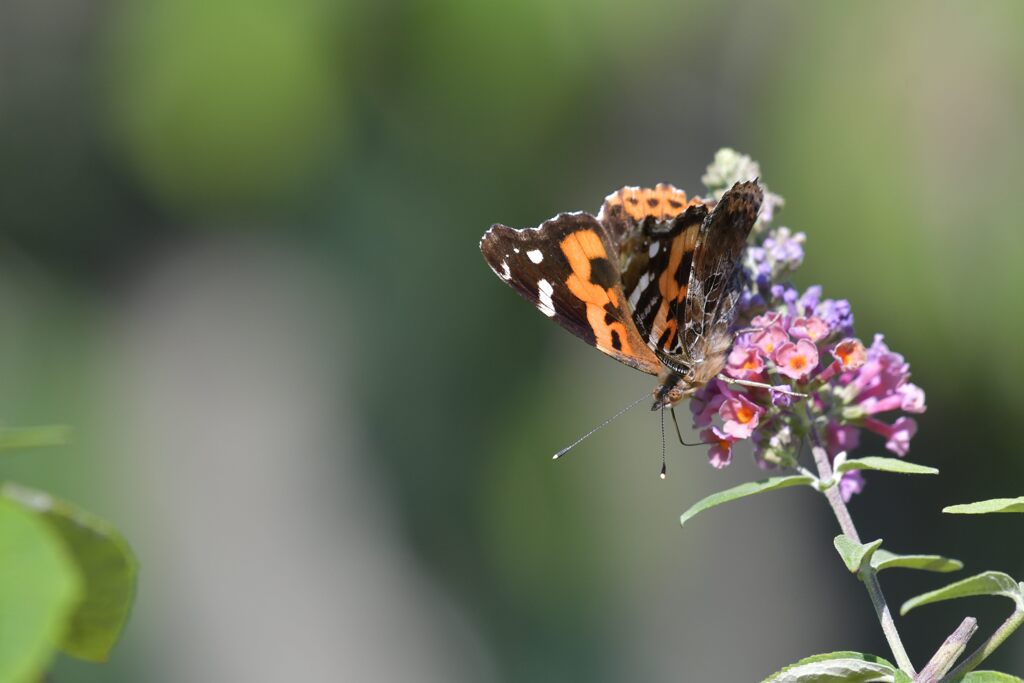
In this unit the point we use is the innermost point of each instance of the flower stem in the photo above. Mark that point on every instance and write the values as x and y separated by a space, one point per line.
944 658
1002 633
867 574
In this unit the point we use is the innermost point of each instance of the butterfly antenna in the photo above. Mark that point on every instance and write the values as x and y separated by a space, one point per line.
664 467
675 421
604 424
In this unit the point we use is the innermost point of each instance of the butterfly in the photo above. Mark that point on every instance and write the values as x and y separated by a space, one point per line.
654 280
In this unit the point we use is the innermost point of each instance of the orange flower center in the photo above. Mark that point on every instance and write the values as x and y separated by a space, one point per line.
798 362
745 414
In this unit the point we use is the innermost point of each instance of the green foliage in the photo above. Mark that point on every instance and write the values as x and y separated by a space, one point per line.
990 677
742 491
880 464
837 667
855 554
39 589
985 507
33 437
986 583
104 562
883 559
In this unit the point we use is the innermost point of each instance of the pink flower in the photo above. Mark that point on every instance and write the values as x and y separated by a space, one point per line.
913 398
897 435
741 416
765 320
851 483
872 405
745 362
850 353
720 453
796 360
811 328
769 339
839 438
704 408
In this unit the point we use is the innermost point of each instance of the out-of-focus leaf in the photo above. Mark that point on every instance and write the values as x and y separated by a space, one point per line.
105 563
33 437
986 507
990 677
742 491
880 464
837 667
986 583
39 588
883 559
854 553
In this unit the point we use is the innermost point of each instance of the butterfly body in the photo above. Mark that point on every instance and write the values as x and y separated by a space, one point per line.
653 280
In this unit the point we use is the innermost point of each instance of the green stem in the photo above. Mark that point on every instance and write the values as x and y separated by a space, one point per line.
988 647
867 574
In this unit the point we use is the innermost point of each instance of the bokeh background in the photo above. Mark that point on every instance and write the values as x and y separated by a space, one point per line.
238 253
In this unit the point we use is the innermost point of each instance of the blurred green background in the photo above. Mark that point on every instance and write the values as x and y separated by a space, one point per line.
238 253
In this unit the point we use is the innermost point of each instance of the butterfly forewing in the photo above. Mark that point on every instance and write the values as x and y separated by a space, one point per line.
568 268
714 286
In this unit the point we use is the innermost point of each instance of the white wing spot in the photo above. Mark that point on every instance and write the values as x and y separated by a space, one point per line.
544 292
652 251
641 286
507 275
535 255
515 249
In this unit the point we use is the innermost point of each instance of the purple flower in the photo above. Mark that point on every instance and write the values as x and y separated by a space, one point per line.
720 454
851 483
806 342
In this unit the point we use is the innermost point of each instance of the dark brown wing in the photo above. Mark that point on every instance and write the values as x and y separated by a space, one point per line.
567 268
714 287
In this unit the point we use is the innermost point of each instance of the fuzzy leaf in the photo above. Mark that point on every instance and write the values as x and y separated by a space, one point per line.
39 588
837 667
854 553
986 583
880 464
883 559
742 491
105 562
990 677
985 507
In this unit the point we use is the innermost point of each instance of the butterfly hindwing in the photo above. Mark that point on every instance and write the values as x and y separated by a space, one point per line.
659 228
568 268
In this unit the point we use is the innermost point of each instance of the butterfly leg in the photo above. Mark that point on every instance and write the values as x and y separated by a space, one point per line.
761 385
675 421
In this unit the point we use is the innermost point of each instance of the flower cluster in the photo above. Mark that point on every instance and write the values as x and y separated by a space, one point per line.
807 344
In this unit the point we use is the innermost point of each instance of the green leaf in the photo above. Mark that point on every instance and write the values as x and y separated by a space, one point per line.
880 464
854 553
39 588
986 583
990 677
985 507
742 491
837 667
33 437
105 562
883 559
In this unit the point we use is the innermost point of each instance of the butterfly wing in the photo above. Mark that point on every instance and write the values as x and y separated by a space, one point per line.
567 267
658 229
714 286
